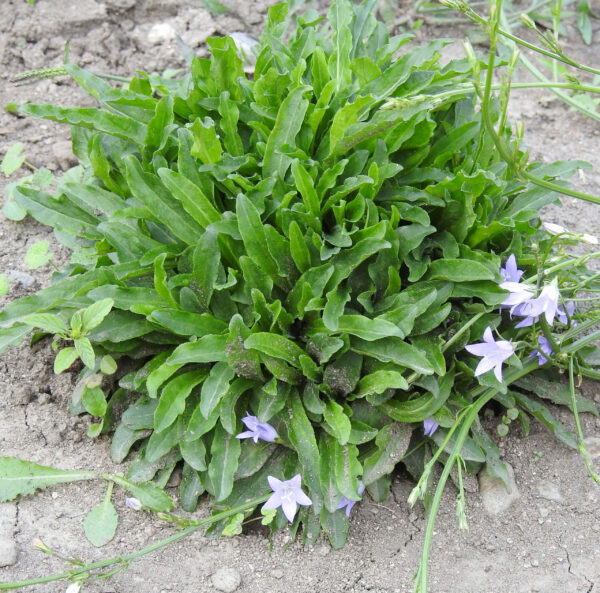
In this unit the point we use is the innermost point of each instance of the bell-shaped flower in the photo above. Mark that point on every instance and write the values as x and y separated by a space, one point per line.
287 495
493 354
543 352
546 304
345 502
429 426
563 314
511 273
257 430
519 294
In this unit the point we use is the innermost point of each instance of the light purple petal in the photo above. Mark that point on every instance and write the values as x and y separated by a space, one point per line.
251 422
302 499
266 432
275 484
245 435
429 426
343 502
349 506
487 335
485 365
289 506
481 349
295 482
498 372
273 502
527 322
361 487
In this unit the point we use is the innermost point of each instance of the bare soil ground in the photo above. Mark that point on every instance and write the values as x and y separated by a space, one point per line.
547 541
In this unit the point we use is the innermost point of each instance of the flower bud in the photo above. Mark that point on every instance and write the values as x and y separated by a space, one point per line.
528 21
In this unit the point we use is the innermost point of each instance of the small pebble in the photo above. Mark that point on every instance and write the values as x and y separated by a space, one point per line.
496 498
226 579
161 33
277 573
8 551
549 490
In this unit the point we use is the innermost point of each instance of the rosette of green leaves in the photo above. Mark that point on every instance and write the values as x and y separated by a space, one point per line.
298 245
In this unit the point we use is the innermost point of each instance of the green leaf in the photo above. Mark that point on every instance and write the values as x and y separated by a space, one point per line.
37 255
206 267
147 493
194 453
86 352
18 477
64 359
47 322
215 7
459 270
13 211
149 191
234 525
287 125
392 443
108 366
337 421
225 452
100 524
394 350
276 346
302 437
190 488
208 348
94 119
215 387
13 159
93 315
173 398
367 329
543 414
379 381
207 146
94 401
253 235
192 198
347 470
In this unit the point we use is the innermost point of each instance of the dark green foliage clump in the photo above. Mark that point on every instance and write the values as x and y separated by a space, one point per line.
299 245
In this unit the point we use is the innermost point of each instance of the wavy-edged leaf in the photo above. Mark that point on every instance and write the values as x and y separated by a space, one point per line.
173 397
19 477
94 119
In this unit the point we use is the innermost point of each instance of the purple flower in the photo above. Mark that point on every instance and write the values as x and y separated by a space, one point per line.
519 294
133 503
345 502
564 313
287 495
510 273
493 353
429 426
546 304
544 351
257 430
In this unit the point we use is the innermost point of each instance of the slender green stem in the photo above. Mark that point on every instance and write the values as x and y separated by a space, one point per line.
461 331
471 414
81 571
581 443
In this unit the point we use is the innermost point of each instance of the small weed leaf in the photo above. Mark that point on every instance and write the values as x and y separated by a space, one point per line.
37 255
100 524
19 477
13 159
